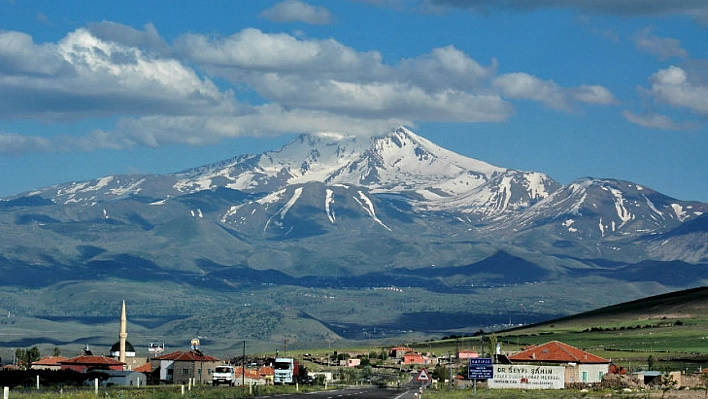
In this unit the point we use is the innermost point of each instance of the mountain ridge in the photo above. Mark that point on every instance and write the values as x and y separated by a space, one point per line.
336 217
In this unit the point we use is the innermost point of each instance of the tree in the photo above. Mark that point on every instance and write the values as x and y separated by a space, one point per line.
383 355
650 362
704 381
56 352
440 372
493 345
25 357
667 383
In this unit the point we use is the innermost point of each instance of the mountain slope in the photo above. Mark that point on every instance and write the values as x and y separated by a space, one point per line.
345 214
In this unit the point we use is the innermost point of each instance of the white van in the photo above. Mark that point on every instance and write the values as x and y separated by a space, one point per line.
223 374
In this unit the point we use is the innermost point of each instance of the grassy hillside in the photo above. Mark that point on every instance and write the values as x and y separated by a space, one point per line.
672 328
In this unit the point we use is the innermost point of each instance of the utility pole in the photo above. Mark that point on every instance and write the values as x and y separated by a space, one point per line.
449 367
243 367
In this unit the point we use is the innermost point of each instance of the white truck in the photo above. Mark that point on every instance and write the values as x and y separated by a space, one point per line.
287 371
223 374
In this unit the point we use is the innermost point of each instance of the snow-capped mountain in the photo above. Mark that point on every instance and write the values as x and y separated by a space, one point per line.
323 183
333 212
597 208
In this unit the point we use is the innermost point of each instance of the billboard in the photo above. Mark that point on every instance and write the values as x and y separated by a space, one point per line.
480 368
527 377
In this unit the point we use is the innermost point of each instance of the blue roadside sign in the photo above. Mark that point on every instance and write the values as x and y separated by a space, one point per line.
480 368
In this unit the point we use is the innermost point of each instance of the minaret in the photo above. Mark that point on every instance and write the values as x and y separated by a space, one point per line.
123 336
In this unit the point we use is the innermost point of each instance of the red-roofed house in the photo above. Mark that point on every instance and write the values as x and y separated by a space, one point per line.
145 368
254 376
467 354
414 358
398 352
580 366
86 363
179 367
48 363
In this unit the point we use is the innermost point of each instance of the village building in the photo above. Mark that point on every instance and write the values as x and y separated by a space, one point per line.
351 362
180 367
580 366
48 363
414 358
123 350
398 352
125 378
85 363
467 354
261 376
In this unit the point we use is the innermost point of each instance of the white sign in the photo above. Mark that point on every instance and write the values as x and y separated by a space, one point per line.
527 377
423 376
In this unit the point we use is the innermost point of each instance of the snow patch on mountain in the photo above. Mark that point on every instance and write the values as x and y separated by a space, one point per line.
622 211
679 211
291 202
329 200
369 208
650 204
133 188
284 210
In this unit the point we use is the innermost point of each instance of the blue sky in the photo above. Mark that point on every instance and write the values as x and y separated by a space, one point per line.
571 88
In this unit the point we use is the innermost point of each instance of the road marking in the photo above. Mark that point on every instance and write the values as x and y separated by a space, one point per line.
401 395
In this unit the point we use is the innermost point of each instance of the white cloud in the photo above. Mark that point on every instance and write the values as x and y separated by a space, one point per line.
447 67
156 96
83 76
445 85
298 11
673 86
520 85
663 48
593 95
12 144
655 121
254 51
129 36
678 89
264 120
20 56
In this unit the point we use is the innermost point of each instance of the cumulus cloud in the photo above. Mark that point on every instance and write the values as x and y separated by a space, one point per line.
252 49
676 88
159 94
663 48
12 144
298 11
521 85
655 121
673 86
83 76
447 67
326 75
20 56
128 36
593 94
197 130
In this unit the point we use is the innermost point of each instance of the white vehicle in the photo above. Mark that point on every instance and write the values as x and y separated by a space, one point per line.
223 374
286 371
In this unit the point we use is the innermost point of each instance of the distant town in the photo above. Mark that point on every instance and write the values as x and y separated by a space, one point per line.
552 365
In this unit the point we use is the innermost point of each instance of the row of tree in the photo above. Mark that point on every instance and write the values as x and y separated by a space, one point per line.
25 357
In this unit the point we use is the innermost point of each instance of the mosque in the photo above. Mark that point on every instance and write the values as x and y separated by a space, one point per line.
124 351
